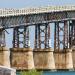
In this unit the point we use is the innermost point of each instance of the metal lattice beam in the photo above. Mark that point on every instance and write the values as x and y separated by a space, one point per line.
66 35
72 33
2 37
42 36
33 19
21 37
61 40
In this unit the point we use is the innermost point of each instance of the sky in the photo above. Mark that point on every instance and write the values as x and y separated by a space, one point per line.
33 3
30 3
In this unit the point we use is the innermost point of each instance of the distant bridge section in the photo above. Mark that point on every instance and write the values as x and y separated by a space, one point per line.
31 16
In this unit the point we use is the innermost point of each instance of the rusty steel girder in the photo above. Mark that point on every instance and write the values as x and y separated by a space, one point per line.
72 33
21 37
42 36
61 40
2 37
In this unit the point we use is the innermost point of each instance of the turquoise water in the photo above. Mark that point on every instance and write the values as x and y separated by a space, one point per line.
57 73
60 73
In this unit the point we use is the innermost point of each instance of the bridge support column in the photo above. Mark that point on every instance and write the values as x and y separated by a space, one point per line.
21 37
72 39
43 53
21 53
63 56
69 61
61 40
2 37
63 60
4 57
4 52
22 58
44 59
73 57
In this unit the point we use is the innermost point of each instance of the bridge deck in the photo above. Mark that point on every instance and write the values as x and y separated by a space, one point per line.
26 11
10 18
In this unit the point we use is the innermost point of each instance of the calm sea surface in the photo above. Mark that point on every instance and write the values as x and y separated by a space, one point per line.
57 73
60 73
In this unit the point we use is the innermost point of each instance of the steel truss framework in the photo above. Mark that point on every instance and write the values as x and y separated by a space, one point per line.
41 20
2 37
72 33
33 19
21 37
61 40
42 36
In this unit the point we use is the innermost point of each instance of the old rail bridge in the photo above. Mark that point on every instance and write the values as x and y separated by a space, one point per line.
42 56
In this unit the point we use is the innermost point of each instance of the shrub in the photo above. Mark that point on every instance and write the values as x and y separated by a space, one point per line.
31 72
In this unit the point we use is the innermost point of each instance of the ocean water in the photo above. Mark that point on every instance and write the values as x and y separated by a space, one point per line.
57 73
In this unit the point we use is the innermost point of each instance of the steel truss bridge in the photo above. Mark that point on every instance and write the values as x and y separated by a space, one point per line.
40 17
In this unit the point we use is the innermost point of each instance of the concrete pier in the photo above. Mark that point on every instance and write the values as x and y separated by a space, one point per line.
22 58
69 60
63 60
4 56
73 57
44 59
58 60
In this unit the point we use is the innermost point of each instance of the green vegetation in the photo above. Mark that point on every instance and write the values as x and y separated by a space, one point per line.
31 72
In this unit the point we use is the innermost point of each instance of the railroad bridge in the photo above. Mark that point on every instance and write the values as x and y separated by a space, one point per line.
42 56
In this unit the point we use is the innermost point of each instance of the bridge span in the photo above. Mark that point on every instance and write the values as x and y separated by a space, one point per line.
63 18
31 16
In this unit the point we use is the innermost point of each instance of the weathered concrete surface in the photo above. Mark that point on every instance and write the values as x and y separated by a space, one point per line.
73 57
63 59
59 64
69 60
4 56
22 58
44 59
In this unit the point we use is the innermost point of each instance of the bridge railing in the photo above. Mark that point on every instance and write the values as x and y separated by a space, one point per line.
25 11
